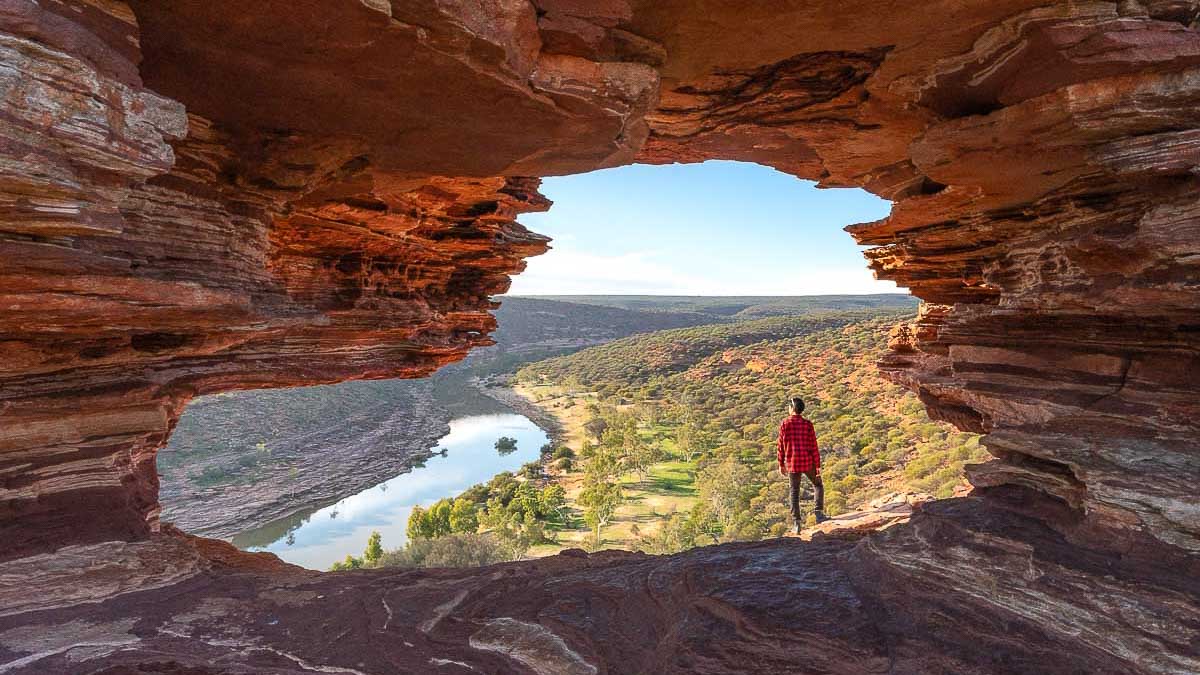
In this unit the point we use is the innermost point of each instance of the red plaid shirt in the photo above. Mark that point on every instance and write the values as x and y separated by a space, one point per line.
798 451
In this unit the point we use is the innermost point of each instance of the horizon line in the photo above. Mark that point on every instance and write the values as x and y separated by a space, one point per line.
695 295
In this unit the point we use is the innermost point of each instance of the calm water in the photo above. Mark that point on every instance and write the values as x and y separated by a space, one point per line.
318 538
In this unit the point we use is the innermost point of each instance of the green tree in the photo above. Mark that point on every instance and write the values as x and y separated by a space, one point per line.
503 485
727 487
596 427
599 499
374 549
510 530
552 499
464 516
603 464
439 518
640 456
682 531
525 500
531 470
419 524
506 445
692 441
350 563
675 534
455 550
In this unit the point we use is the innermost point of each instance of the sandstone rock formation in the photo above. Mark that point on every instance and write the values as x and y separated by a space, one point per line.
876 515
198 196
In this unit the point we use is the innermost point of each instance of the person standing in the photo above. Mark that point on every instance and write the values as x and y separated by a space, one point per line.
799 456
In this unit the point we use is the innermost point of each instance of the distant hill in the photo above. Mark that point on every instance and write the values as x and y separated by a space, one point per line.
527 324
625 365
531 329
742 307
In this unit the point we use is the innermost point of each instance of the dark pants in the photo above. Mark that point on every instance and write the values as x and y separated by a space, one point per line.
818 487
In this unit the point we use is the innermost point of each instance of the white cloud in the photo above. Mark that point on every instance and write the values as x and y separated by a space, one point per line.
563 271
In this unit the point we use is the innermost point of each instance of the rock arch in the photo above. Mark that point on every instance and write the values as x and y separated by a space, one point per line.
199 196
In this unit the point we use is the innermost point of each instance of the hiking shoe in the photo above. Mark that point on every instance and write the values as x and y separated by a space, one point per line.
821 517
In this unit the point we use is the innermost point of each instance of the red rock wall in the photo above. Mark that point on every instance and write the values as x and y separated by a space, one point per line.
197 199
151 255
198 196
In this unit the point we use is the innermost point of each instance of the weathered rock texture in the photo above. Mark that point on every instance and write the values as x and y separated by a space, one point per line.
887 604
198 196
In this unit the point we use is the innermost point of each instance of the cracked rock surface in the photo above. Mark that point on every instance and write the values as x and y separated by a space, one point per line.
968 586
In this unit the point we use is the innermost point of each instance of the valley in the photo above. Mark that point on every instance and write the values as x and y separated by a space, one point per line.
685 420
241 461
665 441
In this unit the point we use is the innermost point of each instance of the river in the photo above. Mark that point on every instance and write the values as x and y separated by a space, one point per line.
318 538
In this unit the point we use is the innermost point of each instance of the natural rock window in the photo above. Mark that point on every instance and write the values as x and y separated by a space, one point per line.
198 198
312 473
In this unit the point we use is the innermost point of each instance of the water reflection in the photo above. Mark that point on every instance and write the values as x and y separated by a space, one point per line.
316 538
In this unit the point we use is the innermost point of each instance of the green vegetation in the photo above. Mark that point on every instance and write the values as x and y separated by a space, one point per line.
459 549
370 557
672 442
742 307
506 445
602 494
693 413
635 368
374 550
454 550
514 514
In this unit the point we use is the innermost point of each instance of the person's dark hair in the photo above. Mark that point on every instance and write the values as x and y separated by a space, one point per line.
797 404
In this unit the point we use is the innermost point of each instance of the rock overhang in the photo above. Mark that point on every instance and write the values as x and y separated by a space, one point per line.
201 197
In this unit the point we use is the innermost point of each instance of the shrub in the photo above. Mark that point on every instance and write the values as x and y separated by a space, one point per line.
874 466
452 550
350 563
531 470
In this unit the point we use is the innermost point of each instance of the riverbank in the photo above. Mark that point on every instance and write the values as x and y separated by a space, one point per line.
218 483
469 457
247 464
520 400
669 486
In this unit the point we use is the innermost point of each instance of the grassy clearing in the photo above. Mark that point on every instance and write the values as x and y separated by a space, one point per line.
669 486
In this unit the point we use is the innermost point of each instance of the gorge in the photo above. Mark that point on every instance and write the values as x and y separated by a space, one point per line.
203 196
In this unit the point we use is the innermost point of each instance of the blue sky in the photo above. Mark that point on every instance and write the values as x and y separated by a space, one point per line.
717 228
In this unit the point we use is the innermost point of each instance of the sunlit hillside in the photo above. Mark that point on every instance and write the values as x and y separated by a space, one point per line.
708 401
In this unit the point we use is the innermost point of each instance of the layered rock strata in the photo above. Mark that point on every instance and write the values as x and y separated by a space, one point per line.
197 197
833 605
